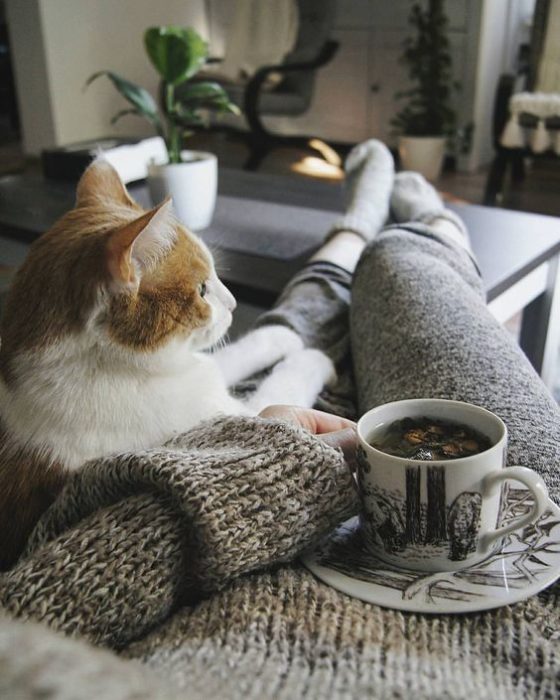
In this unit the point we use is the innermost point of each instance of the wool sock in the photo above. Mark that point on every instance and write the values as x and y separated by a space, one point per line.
414 199
369 171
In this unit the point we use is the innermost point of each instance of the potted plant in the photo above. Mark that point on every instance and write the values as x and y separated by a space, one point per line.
190 177
428 119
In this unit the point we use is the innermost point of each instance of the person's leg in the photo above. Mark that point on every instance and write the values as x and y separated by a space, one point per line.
420 328
343 249
315 305
315 302
315 299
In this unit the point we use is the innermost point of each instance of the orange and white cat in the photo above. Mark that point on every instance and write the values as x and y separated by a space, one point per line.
103 341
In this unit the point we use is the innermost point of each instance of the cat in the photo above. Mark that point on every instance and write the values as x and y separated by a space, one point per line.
103 344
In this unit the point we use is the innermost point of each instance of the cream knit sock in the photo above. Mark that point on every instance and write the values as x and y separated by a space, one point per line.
369 179
414 199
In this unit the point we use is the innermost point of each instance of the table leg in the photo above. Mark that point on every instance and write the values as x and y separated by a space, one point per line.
495 180
540 327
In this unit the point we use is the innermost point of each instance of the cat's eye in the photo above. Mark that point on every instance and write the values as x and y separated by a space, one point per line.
202 289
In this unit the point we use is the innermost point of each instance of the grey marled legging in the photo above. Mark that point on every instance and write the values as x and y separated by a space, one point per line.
418 326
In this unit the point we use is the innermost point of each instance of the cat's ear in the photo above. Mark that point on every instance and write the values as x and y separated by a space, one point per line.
101 182
137 246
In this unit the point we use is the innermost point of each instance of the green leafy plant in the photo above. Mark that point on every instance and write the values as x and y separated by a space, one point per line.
427 55
178 54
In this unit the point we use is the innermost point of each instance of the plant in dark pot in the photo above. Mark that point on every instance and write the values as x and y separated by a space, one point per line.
190 177
427 119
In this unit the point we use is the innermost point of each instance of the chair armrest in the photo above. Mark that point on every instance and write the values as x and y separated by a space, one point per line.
326 54
504 91
254 86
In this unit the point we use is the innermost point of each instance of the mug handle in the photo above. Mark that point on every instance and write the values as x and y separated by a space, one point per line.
536 486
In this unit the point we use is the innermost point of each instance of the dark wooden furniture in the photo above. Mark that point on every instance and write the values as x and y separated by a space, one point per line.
265 227
292 96
509 163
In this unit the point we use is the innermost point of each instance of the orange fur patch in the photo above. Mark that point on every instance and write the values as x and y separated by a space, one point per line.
57 287
167 303
28 486
68 270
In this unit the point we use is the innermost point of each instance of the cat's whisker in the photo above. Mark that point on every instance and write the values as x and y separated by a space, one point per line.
221 270
217 254
220 344
220 264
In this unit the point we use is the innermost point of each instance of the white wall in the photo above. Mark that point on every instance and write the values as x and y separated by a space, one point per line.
518 30
490 65
504 25
30 72
71 39
549 68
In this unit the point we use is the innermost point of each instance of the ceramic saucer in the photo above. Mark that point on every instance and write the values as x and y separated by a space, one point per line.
528 561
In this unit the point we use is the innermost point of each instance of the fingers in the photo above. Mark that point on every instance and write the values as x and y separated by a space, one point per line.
335 431
327 423
289 414
316 422
345 440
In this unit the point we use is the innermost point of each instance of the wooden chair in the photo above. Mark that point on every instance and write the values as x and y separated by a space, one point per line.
293 94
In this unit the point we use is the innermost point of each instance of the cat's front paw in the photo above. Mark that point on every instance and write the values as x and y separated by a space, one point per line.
296 380
259 349
320 364
281 340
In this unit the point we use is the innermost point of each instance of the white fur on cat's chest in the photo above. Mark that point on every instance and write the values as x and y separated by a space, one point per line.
128 376
81 403
81 415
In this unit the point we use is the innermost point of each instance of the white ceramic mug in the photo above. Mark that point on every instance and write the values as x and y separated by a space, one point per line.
439 515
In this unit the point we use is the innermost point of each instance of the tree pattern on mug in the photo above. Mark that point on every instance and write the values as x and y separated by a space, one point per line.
403 523
523 557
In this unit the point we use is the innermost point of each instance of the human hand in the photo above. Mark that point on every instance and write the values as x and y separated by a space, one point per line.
336 431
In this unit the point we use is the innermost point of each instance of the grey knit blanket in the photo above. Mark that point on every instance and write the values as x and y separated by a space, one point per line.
182 562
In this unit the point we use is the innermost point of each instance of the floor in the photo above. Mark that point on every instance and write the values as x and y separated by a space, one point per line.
540 192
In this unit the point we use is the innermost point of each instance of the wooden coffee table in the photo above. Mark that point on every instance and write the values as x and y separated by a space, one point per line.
266 226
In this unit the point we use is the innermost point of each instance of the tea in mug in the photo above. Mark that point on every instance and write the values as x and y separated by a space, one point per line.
428 439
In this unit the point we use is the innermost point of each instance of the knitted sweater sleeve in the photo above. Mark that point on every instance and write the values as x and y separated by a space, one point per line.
134 535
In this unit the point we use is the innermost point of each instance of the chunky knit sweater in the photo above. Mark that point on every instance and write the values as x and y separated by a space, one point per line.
182 562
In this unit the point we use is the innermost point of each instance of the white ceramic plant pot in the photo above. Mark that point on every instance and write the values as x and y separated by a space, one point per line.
423 154
192 184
